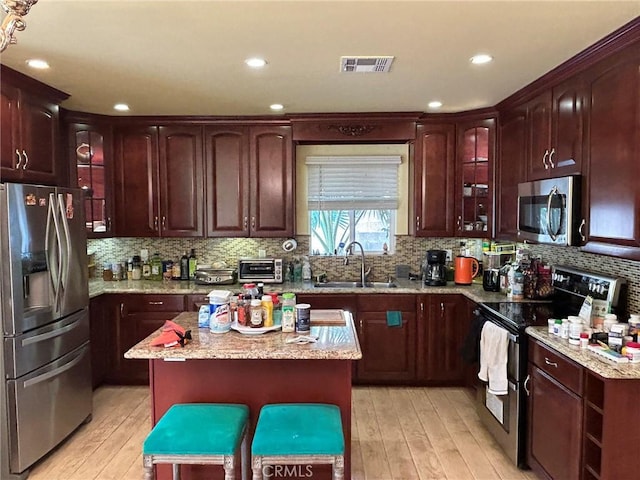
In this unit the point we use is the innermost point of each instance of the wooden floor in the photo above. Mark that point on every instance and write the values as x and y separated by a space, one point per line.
397 433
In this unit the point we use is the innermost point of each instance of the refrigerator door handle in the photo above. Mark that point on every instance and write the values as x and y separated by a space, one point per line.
52 334
53 373
53 249
66 249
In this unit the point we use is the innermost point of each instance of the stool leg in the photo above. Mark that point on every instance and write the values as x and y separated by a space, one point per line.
257 468
338 468
229 467
147 462
244 456
176 471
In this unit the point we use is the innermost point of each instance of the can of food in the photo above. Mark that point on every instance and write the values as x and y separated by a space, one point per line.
303 318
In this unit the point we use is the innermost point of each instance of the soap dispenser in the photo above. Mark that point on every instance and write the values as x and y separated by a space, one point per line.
306 269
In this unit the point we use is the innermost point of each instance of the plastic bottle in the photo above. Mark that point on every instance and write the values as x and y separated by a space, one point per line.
267 311
136 272
575 329
306 269
184 266
277 309
288 312
193 264
146 269
156 267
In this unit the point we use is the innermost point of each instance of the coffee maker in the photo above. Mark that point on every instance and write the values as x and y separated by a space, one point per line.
435 269
491 275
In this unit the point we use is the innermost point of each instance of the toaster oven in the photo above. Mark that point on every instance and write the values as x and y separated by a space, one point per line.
266 270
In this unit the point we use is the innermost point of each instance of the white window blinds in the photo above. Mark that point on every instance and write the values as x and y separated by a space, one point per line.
352 182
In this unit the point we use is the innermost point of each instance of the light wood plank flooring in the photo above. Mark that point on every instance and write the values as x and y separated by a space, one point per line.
397 433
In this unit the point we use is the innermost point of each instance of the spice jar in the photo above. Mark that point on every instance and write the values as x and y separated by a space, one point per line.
255 317
107 273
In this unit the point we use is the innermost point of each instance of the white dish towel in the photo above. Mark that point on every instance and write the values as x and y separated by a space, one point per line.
494 346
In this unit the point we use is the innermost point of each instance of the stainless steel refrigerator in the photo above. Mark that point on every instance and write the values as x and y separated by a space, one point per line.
45 392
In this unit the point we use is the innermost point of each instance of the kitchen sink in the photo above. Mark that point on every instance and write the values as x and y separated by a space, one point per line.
342 284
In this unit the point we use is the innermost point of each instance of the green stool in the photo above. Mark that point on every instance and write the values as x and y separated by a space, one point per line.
298 434
198 433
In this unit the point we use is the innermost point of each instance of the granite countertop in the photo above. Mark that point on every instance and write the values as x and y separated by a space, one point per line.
595 363
474 292
335 342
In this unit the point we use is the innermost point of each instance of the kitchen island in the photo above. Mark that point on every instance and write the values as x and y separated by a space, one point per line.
254 370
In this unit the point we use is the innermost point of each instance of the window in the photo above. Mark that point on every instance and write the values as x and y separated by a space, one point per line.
352 198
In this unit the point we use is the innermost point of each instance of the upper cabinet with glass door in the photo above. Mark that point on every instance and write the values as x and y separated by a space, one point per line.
475 178
90 153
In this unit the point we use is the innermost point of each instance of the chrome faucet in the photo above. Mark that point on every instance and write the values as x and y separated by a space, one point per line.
363 271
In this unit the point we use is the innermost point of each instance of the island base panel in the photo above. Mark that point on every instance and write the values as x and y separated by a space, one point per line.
254 383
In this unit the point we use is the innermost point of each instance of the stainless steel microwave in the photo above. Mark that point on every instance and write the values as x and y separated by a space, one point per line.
266 270
549 210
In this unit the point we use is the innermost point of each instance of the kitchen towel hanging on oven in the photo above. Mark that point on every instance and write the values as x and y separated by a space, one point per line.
494 345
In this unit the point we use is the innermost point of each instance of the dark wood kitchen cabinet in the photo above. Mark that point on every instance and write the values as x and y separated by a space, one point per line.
433 181
556 130
475 149
249 181
137 316
29 132
510 170
612 202
91 167
271 179
388 352
444 321
158 181
100 335
579 421
555 413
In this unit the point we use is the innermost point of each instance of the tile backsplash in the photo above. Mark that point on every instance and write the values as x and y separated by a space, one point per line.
408 251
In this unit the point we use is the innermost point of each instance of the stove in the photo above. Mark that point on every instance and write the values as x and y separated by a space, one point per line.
505 416
520 315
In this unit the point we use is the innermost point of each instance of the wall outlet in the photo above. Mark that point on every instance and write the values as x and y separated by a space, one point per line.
449 255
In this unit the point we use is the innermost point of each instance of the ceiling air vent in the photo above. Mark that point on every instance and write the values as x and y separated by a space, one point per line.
366 64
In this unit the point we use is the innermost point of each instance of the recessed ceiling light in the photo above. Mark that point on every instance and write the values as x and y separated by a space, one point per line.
481 58
276 107
435 104
37 63
255 62
121 107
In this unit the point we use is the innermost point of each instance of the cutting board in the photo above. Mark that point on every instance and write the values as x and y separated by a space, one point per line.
329 317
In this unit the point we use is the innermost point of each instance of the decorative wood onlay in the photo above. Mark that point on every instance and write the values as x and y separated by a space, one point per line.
353 130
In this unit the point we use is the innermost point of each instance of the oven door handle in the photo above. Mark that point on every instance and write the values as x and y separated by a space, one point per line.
512 338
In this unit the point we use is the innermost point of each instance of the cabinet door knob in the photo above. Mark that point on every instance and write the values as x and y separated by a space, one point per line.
26 160
253 223
19 159
549 362
156 303
442 308
553 150
164 222
459 222
581 230
155 222
418 223
245 223
544 159
526 381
